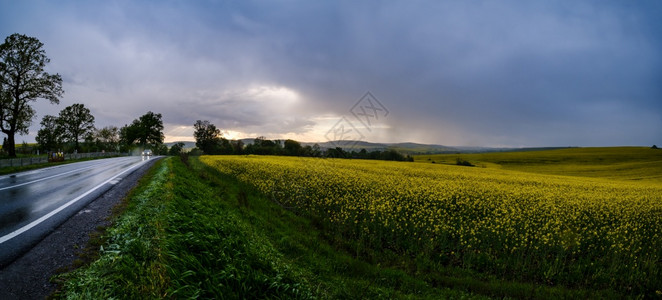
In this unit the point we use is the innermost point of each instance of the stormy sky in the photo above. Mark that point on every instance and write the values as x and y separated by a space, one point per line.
471 73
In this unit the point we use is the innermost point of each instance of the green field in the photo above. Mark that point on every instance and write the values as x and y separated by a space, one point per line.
620 163
571 223
20 148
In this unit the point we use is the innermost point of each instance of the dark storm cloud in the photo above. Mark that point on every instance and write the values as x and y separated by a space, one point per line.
472 72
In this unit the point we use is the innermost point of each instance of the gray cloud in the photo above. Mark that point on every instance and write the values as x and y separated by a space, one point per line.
459 73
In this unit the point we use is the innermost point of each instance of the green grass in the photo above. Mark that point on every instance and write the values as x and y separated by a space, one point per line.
618 163
190 232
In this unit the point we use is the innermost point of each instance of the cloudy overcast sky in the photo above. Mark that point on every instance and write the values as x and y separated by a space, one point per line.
473 73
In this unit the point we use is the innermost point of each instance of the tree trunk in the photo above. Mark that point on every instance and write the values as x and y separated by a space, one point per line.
11 145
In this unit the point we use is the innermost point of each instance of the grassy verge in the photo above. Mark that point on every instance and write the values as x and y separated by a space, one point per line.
190 232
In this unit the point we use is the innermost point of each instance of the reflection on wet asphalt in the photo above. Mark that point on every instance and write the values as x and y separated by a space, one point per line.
25 197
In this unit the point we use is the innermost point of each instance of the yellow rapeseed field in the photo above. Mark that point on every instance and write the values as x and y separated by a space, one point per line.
576 231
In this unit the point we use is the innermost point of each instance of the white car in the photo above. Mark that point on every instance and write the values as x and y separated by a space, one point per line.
147 152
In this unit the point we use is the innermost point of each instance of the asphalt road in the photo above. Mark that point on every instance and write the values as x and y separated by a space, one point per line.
34 203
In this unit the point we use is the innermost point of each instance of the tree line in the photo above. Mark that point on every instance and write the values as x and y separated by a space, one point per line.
73 130
210 141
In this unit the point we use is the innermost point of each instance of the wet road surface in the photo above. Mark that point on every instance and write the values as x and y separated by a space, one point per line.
34 203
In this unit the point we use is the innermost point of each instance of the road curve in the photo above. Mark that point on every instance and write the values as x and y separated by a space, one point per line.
34 203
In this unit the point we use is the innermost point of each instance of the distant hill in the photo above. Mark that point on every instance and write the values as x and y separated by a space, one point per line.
416 148
404 148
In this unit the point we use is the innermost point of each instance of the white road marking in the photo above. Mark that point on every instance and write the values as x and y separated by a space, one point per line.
25 173
57 210
46 178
